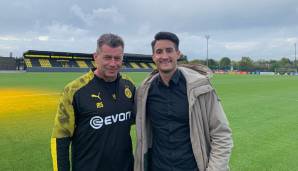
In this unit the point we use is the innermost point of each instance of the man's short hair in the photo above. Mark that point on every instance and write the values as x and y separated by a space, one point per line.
111 40
166 36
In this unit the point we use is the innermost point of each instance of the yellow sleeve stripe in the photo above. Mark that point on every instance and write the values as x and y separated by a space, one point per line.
54 153
126 77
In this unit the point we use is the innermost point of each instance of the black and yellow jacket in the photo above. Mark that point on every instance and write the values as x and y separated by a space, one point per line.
94 116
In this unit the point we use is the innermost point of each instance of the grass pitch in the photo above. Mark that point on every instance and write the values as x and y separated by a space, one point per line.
262 111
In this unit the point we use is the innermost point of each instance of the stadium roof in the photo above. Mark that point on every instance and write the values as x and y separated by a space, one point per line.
72 55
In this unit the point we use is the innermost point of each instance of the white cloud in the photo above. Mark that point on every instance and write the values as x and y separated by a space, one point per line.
2 47
237 28
292 40
241 46
43 38
99 16
8 38
144 29
64 30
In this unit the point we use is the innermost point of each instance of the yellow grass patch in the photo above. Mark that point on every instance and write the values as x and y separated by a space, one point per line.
26 101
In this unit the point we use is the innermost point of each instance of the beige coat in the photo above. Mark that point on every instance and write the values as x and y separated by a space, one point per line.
210 135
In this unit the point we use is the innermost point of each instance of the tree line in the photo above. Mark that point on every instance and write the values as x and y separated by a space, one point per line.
247 64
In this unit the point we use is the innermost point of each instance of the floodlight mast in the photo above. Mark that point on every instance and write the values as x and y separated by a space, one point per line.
207 38
295 58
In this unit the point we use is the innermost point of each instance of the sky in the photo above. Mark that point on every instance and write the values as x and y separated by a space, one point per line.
259 29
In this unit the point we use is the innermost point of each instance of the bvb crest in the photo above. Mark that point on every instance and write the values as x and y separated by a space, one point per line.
127 92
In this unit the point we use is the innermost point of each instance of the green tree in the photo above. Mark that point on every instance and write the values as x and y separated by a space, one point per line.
212 64
197 61
273 65
235 65
225 63
246 64
285 63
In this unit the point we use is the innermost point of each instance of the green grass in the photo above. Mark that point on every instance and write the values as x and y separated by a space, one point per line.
46 81
262 111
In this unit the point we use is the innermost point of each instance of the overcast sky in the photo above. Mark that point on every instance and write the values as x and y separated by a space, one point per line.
260 29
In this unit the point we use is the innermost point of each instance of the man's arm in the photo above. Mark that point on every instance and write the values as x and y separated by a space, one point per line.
62 132
221 142
60 153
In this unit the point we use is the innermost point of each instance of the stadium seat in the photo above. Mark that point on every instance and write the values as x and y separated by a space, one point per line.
82 64
28 63
144 65
45 63
152 65
134 65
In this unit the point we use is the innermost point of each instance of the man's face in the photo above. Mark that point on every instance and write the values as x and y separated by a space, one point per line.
165 56
108 61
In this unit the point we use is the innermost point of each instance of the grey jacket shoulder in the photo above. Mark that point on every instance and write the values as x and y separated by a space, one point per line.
192 72
197 77
198 68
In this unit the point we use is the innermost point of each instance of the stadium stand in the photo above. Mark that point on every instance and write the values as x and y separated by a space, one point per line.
144 65
134 65
82 64
49 61
35 63
152 65
28 63
7 63
44 63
